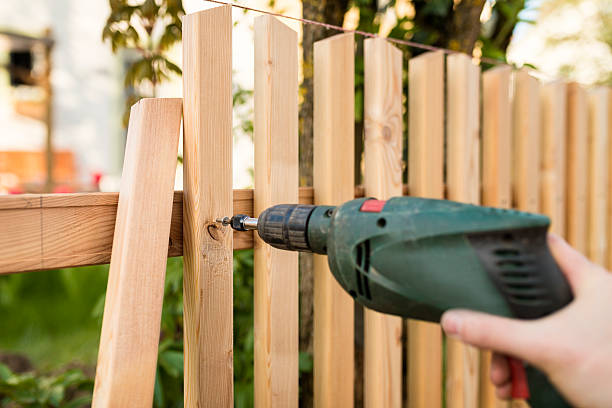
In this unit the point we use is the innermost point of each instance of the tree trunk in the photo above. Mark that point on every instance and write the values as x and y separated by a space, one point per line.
465 25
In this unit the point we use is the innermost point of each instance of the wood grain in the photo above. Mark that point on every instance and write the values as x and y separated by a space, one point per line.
53 231
127 357
527 142
597 193
577 167
334 180
426 179
609 252
276 182
207 185
382 179
463 184
496 189
553 103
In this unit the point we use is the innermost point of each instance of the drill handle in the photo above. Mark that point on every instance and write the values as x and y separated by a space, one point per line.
542 393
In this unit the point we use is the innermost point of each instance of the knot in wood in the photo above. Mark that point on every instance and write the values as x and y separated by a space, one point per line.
216 233
387 135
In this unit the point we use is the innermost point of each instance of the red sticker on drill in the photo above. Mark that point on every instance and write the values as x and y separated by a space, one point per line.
372 206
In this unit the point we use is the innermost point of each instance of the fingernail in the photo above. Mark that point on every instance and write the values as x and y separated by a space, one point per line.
451 323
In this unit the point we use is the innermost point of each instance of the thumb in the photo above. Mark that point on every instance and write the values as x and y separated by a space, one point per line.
521 339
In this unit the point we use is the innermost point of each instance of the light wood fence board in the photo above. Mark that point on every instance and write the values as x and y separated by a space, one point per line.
463 184
276 182
553 98
597 196
382 179
127 357
425 178
527 142
207 185
577 170
334 180
496 173
609 251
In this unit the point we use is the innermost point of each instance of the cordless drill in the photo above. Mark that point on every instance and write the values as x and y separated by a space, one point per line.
417 258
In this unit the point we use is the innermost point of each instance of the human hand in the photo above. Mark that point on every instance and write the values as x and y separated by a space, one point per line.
573 346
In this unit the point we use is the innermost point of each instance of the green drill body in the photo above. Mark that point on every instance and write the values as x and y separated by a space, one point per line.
417 258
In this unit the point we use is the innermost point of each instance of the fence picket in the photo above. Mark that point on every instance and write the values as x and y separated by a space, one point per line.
553 97
276 182
207 185
425 178
463 184
496 183
334 181
597 195
577 170
382 179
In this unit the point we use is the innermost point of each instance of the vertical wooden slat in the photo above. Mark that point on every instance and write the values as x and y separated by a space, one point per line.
577 166
526 149
334 181
496 184
276 182
207 185
463 184
125 375
527 142
597 196
425 179
382 179
553 97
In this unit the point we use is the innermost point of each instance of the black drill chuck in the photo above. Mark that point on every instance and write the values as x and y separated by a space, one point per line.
285 226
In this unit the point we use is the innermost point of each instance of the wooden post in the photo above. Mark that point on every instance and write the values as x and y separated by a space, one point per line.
334 181
526 142
208 281
382 179
577 170
276 182
609 260
597 196
425 179
496 183
127 357
463 184
553 99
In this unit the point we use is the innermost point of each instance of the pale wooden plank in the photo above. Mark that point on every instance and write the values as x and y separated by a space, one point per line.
276 182
527 140
577 170
77 229
383 125
597 193
553 100
127 357
334 180
207 185
496 171
425 178
463 184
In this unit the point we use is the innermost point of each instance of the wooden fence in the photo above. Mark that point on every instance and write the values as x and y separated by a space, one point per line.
499 138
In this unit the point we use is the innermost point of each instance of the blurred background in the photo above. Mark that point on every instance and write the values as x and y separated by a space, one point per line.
70 69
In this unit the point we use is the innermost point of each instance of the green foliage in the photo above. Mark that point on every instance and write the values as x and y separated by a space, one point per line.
149 28
69 389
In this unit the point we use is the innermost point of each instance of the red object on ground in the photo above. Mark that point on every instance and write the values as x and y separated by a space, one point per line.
520 388
62 189
15 190
372 206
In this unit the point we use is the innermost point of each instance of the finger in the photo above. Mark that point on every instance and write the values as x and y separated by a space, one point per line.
573 264
500 369
521 339
504 392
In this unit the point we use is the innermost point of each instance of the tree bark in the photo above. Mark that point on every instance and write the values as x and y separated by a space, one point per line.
465 25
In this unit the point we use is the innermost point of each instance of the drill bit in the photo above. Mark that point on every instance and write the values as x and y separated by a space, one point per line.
239 222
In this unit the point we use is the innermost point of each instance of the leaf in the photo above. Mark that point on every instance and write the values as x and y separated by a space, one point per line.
305 362
78 402
172 362
158 391
5 372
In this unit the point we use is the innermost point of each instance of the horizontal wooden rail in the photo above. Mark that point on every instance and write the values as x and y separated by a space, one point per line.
52 231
